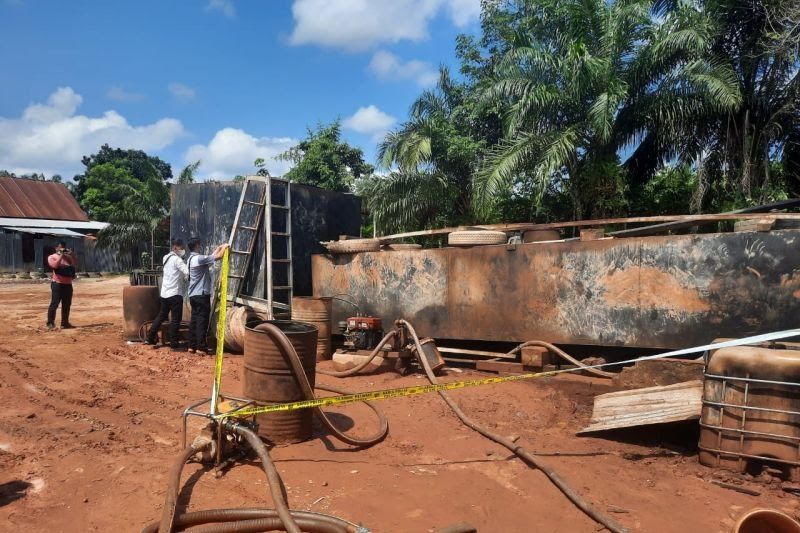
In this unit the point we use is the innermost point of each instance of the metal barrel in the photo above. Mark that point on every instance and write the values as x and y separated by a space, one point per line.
139 304
316 311
236 318
268 378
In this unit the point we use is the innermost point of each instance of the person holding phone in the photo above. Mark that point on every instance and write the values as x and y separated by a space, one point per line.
63 264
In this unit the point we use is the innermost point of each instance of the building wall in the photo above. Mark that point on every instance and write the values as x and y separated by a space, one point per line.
653 292
10 253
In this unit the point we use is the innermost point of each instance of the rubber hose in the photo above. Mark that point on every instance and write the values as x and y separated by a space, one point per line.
279 337
563 354
531 460
171 498
223 520
276 486
355 370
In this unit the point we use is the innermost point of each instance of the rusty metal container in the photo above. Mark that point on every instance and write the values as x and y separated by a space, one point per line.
751 411
268 378
139 304
236 319
541 235
316 311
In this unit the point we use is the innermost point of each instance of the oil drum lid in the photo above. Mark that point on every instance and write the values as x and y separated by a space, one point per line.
289 327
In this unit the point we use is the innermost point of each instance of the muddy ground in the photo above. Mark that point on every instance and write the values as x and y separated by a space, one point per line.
89 427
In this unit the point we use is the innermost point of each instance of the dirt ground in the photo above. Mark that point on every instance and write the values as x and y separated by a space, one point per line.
89 427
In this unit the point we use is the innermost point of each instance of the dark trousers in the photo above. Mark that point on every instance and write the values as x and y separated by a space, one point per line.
60 293
172 306
198 325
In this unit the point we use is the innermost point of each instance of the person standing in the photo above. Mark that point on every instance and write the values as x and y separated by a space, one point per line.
63 264
200 292
173 278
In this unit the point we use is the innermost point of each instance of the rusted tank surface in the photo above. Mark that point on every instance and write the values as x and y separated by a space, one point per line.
316 311
268 378
654 292
139 304
541 235
751 411
236 319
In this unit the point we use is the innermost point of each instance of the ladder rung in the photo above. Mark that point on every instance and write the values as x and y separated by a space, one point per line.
281 287
243 252
253 203
281 260
237 276
281 233
251 228
276 206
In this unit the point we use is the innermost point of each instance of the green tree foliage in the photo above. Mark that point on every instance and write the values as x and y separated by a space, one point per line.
435 154
322 159
118 180
188 172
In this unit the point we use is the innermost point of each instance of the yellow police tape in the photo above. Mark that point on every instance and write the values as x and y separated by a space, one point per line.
377 395
223 308
424 389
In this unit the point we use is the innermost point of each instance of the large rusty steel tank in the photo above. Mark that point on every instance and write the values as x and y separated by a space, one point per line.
316 311
751 411
140 304
268 377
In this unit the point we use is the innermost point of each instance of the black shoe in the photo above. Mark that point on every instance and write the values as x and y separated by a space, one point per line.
177 349
51 326
67 326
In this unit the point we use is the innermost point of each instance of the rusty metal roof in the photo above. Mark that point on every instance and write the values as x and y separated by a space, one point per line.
25 198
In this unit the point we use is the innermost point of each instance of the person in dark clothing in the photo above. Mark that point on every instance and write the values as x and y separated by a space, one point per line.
63 265
173 280
200 292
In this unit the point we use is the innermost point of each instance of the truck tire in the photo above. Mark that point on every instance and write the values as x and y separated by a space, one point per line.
475 237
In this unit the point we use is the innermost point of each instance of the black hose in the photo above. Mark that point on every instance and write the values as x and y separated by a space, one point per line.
530 459
359 367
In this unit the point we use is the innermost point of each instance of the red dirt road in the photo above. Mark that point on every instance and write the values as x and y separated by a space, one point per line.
89 427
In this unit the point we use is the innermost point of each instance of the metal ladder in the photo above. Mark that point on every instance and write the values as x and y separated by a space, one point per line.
248 220
272 202
278 233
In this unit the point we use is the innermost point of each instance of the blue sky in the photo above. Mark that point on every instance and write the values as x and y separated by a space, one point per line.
224 81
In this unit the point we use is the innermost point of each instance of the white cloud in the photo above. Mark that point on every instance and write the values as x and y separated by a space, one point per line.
51 138
121 95
387 66
181 92
370 121
226 7
232 152
357 25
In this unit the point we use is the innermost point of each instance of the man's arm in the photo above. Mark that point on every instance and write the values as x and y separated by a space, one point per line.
54 261
219 251
182 267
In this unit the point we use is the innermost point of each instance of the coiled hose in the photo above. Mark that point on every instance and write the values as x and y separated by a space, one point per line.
359 367
256 520
530 459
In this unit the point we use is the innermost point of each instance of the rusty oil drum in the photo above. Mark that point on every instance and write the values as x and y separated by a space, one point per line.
268 378
140 304
316 311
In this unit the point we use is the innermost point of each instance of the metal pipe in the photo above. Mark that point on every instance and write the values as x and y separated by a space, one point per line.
530 459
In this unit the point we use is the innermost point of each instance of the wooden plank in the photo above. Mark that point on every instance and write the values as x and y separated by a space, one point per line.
674 226
499 366
525 226
592 234
643 407
481 353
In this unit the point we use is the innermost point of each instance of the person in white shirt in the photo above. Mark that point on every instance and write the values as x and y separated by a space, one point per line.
173 278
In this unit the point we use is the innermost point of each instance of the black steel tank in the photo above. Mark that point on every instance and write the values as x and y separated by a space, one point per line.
139 304
268 377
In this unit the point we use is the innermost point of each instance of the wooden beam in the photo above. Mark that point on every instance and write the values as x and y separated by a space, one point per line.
526 226
463 351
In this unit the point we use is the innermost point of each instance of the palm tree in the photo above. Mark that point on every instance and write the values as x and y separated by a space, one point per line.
432 158
584 81
188 172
